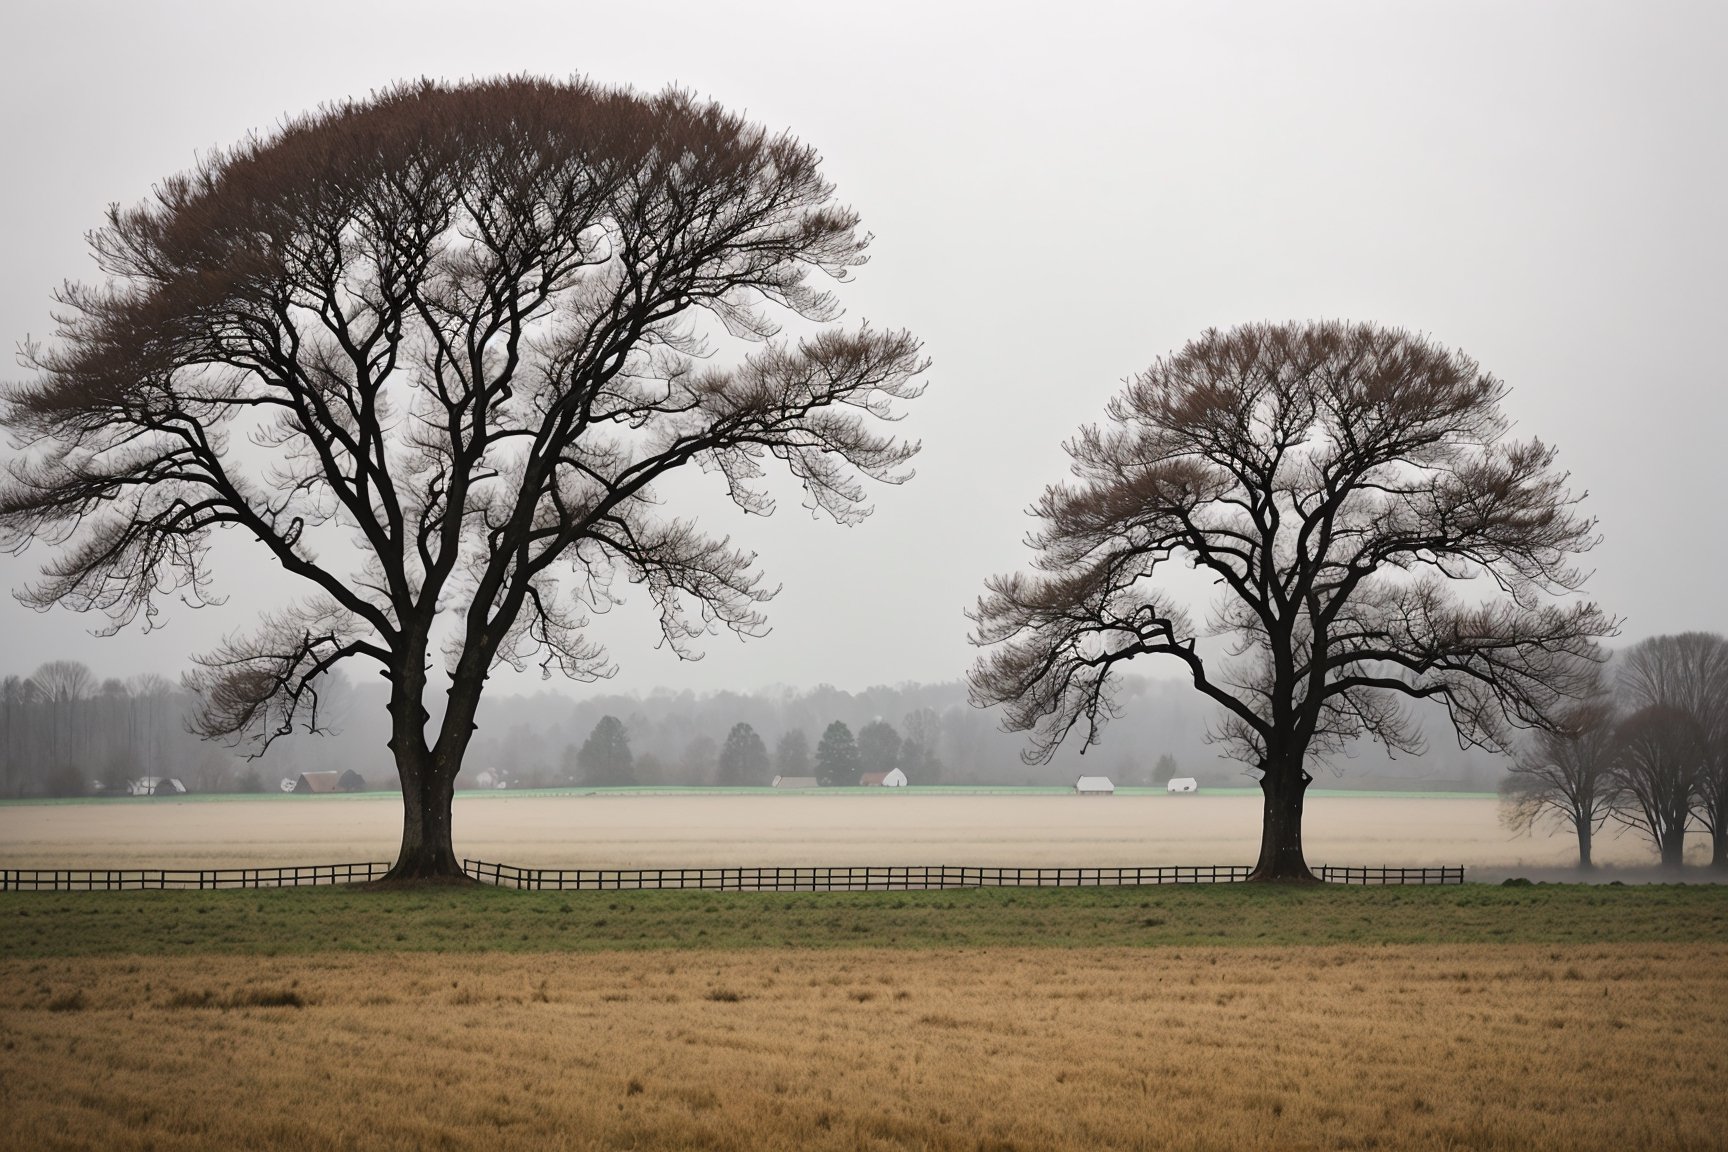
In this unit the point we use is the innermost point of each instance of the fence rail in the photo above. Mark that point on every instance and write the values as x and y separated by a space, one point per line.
115 879
861 878
1340 874
873 878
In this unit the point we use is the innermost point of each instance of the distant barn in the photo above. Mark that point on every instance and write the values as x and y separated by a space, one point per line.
794 781
1094 786
318 782
894 778
872 779
1183 784
351 781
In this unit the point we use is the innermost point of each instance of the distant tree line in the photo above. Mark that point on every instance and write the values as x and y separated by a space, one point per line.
605 758
1648 752
64 732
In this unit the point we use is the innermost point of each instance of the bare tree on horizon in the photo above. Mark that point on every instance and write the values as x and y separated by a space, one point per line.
461 329
1335 480
1688 673
1566 775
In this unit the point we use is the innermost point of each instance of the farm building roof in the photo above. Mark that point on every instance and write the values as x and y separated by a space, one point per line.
872 779
1096 785
794 781
318 782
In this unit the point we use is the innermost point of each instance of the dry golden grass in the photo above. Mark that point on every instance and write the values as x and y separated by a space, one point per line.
1442 1047
670 831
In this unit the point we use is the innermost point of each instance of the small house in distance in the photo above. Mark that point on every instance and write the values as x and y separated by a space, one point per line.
1183 784
893 778
794 781
1094 786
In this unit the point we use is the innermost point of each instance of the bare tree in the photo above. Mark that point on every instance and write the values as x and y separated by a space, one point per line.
1334 480
1656 771
1689 672
1566 775
63 686
462 331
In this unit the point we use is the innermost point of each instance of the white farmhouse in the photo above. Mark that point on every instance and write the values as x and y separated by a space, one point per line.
156 786
1183 784
1094 786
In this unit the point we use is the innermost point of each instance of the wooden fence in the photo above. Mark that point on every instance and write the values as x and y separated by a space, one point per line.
861 878
885 878
114 879
1339 874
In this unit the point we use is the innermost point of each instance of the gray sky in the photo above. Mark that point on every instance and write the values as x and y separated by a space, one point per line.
1059 194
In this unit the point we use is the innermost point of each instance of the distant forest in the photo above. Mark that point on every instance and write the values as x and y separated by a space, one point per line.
65 731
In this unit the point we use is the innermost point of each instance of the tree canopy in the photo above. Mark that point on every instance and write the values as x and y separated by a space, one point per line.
743 758
604 758
433 351
837 757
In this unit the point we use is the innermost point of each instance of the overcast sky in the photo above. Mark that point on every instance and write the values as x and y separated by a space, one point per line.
1059 194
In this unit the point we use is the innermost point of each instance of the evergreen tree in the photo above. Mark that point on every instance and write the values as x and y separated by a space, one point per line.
744 759
1164 771
878 747
837 757
605 756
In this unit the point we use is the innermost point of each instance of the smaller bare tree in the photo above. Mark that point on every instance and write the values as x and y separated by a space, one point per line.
1656 771
1337 482
1689 672
1565 776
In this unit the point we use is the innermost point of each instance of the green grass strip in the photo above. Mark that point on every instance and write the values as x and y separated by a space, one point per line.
305 920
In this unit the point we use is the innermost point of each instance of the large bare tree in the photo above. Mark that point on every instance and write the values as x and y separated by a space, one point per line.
433 351
1335 481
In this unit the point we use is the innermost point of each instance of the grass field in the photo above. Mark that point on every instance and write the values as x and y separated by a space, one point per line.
307 920
985 1020
1548 1017
865 826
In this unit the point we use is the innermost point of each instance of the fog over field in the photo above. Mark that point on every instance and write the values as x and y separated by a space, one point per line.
714 829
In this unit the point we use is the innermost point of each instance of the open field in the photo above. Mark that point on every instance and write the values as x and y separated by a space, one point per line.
1588 1046
683 830
35 925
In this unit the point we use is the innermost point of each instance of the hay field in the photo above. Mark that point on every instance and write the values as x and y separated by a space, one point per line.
1442 1047
648 830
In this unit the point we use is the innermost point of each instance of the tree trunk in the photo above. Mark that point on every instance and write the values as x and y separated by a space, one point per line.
428 786
1584 862
1283 785
427 851
1673 847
